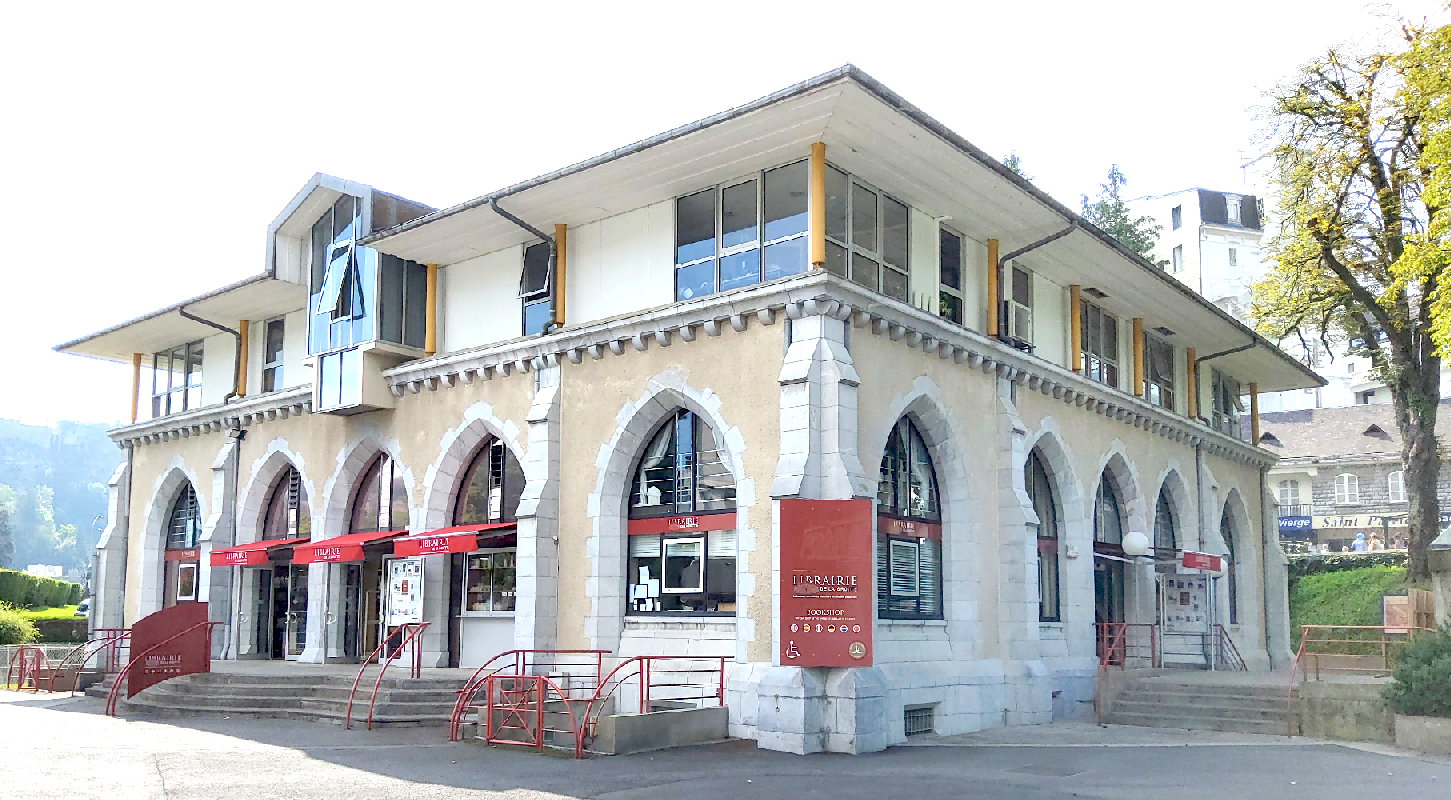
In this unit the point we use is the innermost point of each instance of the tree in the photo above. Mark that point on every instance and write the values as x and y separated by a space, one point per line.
1113 217
1014 163
1349 142
7 541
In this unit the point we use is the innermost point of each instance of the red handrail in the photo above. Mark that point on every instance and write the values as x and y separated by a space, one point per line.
645 672
520 710
18 672
141 657
105 642
520 663
405 628
411 638
113 653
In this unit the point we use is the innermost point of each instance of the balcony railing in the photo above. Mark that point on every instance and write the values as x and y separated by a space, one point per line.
1295 509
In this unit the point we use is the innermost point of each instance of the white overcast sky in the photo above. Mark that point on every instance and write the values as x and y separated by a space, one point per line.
146 147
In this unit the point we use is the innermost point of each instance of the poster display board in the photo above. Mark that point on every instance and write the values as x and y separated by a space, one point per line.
826 583
1186 603
405 591
186 654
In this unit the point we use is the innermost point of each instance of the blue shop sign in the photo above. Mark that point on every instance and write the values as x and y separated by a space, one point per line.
1294 524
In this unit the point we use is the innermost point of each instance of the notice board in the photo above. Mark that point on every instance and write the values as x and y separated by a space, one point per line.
826 583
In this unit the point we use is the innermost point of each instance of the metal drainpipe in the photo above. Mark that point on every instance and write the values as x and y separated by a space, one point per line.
553 254
234 597
1265 570
1003 260
237 359
1203 359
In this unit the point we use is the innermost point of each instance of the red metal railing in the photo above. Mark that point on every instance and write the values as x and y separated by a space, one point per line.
520 707
26 665
75 661
410 631
576 663
1375 642
680 684
111 658
140 658
1120 641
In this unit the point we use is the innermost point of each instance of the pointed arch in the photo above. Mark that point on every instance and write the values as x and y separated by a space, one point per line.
442 479
352 462
1238 546
1174 516
175 479
266 470
1050 488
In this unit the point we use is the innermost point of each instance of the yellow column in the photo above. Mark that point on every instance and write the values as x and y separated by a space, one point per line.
1191 384
816 205
561 238
135 385
430 312
1075 324
1138 357
1254 414
992 287
243 329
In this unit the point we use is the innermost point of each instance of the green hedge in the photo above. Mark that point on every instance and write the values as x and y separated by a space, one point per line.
1303 564
61 630
31 591
1422 684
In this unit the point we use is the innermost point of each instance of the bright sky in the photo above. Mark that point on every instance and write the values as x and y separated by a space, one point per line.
146 147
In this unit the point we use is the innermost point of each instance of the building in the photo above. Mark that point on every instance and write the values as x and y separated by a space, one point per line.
1340 476
1211 242
614 386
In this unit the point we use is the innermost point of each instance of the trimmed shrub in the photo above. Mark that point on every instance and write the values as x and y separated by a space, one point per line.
1421 685
32 591
62 630
14 627
1302 564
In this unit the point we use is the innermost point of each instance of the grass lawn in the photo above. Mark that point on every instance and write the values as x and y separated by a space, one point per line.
60 612
1348 597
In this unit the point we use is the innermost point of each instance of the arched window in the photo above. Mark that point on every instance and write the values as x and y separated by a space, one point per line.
1396 487
1226 531
909 530
380 503
1108 553
183 530
288 515
1040 492
1347 489
1166 534
682 553
489 494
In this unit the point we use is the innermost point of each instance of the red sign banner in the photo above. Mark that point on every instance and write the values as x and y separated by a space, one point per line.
684 524
1205 561
892 526
826 583
252 554
348 547
448 543
184 655
189 554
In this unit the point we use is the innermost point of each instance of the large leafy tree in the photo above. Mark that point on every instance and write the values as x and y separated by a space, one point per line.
1349 136
1112 215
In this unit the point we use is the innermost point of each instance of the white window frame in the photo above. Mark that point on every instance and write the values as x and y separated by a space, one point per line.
1090 356
275 367
1177 258
1396 486
1232 210
1347 489
879 255
1011 326
699 587
1293 487
943 288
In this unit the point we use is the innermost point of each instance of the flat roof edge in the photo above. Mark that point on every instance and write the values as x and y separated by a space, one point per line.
62 348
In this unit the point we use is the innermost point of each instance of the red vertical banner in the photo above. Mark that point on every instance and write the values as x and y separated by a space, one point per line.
826 583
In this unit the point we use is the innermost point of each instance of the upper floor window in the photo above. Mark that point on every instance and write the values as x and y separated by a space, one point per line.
1176 262
176 380
866 235
1100 344
335 262
380 503
534 286
1176 218
1233 257
402 300
1224 410
1232 205
1018 305
949 300
272 356
1040 493
1396 486
1288 493
1347 489
909 534
288 515
1158 372
683 471
1166 534
742 233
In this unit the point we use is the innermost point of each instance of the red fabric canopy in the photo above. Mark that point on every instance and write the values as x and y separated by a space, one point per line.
251 554
348 547
458 539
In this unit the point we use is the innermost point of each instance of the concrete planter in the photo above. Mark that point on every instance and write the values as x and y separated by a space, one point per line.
1424 734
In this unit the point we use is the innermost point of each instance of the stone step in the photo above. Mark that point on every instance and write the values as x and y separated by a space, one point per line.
179 687
1226 700
1203 723
1137 706
1218 690
178 700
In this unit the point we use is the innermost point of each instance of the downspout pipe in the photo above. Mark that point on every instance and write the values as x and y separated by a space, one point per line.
1202 359
1003 260
553 253
237 372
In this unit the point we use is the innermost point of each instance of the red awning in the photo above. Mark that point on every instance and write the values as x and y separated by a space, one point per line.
348 547
251 554
458 539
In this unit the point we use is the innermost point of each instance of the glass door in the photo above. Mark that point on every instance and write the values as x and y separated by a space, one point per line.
296 633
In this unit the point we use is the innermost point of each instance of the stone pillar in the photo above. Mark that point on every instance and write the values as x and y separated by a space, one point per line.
536 610
1276 582
108 579
803 709
219 531
1439 556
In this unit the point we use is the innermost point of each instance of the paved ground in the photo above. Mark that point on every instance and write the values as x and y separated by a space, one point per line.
64 748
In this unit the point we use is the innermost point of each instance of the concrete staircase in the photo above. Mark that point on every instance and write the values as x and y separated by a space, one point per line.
1170 702
402 701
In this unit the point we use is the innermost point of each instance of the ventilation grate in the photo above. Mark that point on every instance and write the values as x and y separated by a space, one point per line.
918 719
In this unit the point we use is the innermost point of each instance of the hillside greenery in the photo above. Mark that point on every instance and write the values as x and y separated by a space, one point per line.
53 492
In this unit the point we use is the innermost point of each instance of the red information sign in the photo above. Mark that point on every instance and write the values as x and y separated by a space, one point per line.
696 522
1205 561
188 653
826 583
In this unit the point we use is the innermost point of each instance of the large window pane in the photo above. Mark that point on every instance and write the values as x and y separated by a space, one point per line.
950 251
695 227
786 258
536 317
740 269
836 259
894 284
390 298
785 191
696 280
863 218
865 271
837 186
536 270
415 303
894 232
738 215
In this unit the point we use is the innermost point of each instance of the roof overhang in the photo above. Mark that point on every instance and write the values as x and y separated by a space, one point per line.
878 136
258 297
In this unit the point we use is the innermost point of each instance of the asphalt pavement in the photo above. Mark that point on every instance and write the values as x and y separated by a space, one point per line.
58 747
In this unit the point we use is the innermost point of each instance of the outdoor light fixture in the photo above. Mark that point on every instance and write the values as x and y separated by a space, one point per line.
1135 543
